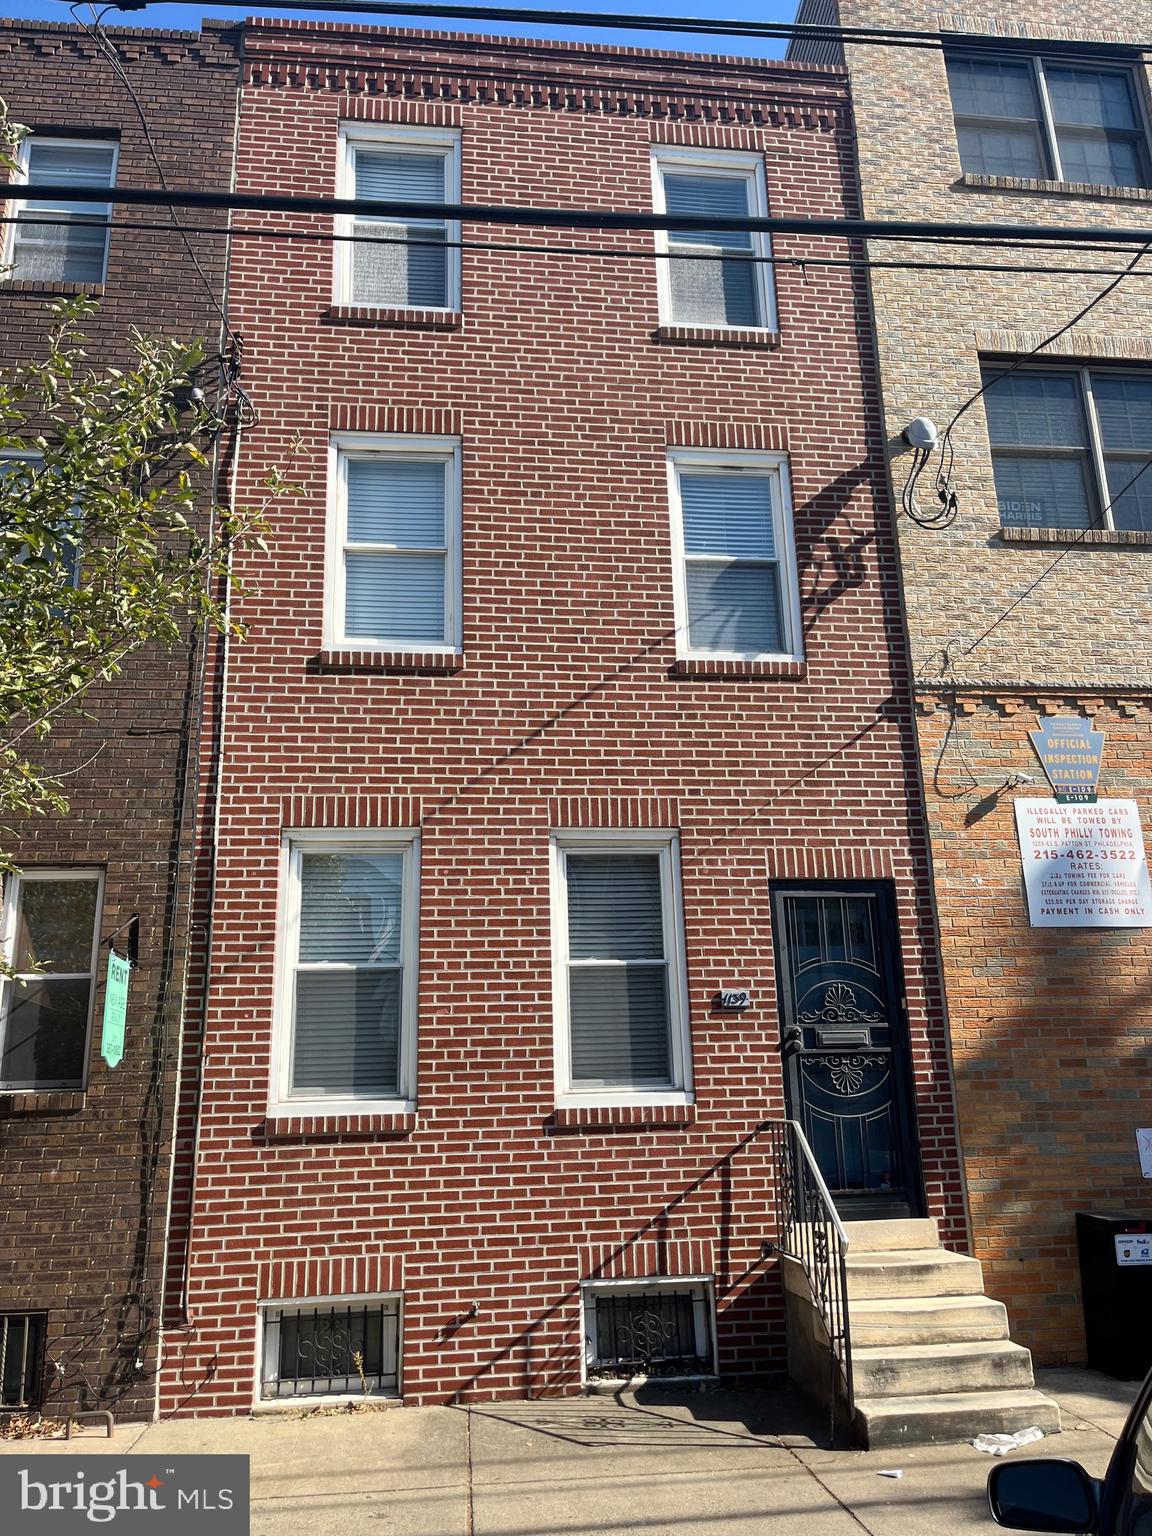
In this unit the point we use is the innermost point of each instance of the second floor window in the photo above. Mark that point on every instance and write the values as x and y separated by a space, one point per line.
411 267
1048 120
73 248
394 568
710 278
1071 447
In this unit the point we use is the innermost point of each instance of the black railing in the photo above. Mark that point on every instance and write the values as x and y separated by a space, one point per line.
812 1234
316 1351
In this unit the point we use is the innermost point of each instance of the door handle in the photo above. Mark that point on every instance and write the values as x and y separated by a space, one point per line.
793 1035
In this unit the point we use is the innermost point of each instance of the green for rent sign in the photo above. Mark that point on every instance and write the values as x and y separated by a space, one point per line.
115 1009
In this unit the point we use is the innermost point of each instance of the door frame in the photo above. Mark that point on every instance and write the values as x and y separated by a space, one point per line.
892 963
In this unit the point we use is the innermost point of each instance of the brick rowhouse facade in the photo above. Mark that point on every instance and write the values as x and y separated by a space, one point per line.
86 1175
488 1206
1050 1027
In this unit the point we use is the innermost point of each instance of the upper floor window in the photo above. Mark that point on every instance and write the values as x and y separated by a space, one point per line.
394 566
19 472
711 277
415 268
1049 120
51 940
73 248
1071 447
735 580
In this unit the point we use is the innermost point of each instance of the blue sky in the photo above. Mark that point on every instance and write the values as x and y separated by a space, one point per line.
189 17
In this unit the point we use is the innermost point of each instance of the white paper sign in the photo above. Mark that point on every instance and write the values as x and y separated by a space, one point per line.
1144 1147
1133 1248
1084 865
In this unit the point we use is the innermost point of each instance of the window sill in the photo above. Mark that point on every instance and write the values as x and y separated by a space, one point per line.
393 662
980 183
719 666
337 1127
613 1117
1116 538
55 1101
717 336
376 1401
396 318
32 285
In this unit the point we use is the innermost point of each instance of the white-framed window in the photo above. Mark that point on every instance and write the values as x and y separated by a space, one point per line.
51 939
391 162
708 278
394 544
19 470
654 1327
735 581
1055 119
345 1031
621 1001
73 248
331 1346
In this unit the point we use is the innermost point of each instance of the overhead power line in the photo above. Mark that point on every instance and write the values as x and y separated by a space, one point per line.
585 218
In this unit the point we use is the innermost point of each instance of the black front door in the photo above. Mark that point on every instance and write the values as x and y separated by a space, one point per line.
845 1043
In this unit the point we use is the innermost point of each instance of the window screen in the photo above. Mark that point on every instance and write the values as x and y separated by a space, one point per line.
723 291
411 272
74 247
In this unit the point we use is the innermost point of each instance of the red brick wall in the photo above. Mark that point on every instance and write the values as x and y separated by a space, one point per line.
85 1176
568 696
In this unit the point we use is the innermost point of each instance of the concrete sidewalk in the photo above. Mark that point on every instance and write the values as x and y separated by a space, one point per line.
643 1464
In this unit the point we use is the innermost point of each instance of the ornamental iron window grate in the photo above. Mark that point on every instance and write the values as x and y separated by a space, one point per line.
315 1351
21 1358
660 1332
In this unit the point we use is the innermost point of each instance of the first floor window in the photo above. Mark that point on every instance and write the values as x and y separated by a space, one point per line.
347 1008
394 568
73 246
347 1345
1071 447
650 1328
713 277
51 942
735 570
621 1007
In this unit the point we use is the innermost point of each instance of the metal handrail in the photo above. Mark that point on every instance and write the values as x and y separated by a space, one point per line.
812 1234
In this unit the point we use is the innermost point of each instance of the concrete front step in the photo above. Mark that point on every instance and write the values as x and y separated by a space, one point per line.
952 1416
928 1320
919 1370
891 1236
913 1272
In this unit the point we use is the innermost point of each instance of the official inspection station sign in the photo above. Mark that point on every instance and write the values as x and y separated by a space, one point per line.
1071 752
1084 865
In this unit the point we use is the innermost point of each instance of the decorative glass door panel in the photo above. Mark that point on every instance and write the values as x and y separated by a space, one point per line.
844 1043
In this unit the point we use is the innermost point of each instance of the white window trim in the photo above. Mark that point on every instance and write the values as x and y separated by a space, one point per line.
590 1289
294 842
773 466
399 137
264 1404
7 947
750 165
20 178
363 445
628 840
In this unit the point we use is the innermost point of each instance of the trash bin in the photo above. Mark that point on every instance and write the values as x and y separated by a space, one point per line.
1116 1286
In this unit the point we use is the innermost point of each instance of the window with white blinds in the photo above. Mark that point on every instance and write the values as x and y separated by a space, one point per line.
73 247
395 570
712 277
735 570
620 974
346 1014
402 262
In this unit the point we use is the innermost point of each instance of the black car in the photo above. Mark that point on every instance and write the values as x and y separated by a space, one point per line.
1058 1495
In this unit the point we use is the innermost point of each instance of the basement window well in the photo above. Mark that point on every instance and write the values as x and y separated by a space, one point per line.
651 1328
332 1348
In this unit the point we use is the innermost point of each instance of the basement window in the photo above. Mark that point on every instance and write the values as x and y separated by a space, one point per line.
21 1358
329 1348
651 1328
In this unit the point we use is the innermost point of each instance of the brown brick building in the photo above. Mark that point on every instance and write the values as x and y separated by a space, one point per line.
1034 602
85 1150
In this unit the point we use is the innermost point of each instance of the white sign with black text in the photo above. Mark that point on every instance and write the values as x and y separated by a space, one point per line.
1084 865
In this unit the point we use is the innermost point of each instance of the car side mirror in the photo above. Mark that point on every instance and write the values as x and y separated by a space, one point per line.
1044 1495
